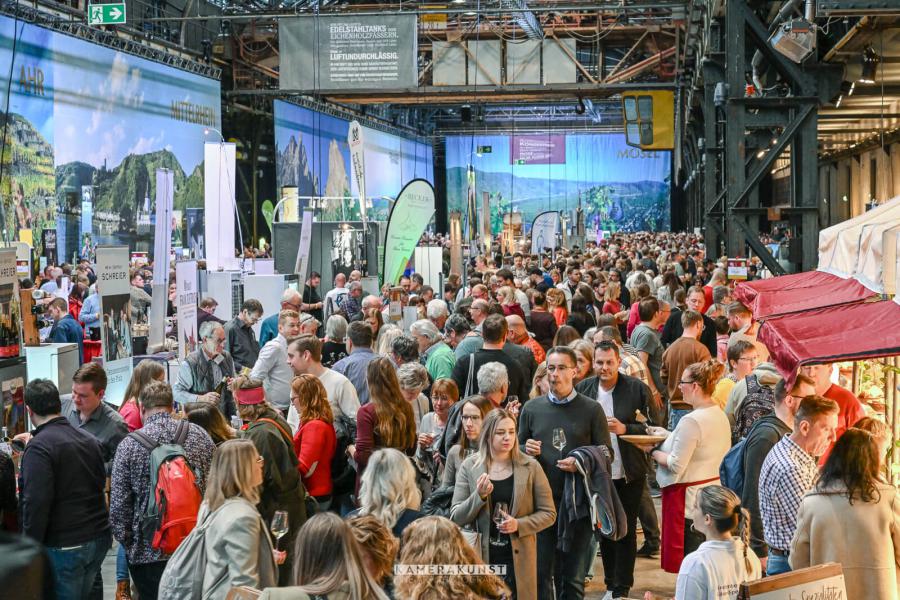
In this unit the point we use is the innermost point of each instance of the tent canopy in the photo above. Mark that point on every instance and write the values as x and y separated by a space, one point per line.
803 291
839 245
853 332
872 268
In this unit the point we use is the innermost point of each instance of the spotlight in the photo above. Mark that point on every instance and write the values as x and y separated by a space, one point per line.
869 65
579 110
760 154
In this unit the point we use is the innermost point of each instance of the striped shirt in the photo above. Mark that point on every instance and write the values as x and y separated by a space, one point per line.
788 472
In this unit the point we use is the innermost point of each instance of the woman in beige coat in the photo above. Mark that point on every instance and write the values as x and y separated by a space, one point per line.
499 473
853 518
238 548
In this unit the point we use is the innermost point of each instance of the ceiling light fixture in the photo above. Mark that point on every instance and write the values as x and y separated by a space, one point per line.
869 65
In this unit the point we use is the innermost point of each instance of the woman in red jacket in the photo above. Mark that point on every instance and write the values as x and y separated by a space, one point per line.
315 440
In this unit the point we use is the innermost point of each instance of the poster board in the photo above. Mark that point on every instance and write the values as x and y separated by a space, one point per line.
821 581
10 313
737 269
186 297
115 310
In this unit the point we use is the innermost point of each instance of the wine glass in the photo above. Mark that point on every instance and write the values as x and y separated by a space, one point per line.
559 440
500 514
279 526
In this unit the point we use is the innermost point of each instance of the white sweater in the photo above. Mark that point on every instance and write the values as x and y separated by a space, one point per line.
715 571
696 449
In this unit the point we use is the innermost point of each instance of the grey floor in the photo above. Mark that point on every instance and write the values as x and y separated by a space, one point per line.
109 572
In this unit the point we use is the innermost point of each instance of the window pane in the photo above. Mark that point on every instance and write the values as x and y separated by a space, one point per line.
630 109
645 108
632 134
646 134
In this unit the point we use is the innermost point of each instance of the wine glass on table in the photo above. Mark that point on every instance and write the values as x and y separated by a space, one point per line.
559 440
499 515
279 526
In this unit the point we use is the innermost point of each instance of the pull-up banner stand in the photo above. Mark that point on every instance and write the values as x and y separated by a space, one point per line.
544 230
218 182
162 245
115 311
409 217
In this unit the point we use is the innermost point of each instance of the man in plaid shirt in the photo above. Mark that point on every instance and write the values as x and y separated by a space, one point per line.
789 471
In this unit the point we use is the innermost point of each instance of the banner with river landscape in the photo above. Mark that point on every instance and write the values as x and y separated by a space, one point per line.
86 128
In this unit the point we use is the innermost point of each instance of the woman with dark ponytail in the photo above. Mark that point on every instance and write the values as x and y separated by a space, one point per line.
689 460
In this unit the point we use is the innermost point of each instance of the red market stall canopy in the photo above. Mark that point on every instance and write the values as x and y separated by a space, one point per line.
849 332
798 292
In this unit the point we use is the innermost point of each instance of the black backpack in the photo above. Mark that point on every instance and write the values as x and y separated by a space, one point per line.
760 401
343 475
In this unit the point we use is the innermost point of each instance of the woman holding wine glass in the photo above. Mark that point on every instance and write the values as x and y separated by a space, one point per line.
238 548
504 495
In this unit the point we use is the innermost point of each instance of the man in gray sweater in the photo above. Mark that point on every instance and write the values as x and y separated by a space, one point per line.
583 423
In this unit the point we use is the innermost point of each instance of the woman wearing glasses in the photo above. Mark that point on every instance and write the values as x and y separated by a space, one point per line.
742 358
689 460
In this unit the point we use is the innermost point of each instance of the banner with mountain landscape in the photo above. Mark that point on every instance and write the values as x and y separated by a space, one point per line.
88 123
618 187
313 155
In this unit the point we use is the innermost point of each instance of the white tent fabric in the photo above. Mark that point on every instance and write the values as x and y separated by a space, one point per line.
839 245
890 240
870 267
896 277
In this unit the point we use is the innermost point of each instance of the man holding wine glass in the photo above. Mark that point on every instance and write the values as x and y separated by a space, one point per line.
563 419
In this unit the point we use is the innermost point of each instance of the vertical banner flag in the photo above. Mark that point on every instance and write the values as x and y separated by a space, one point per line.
165 195
87 218
358 165
196 234
485 232
471 218
218 181
10 316
409 217
543 231
115 311
186 306
302 264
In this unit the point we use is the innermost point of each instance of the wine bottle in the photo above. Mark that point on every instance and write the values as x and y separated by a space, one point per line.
221 387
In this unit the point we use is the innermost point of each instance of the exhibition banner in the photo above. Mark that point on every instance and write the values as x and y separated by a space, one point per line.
115 310
348 52
165 191
10 316
409 217
358 166
544 230
194 229
87 228
537 150
186 306
218 181
302 265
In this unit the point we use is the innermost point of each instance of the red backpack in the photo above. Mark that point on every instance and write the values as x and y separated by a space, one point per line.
171 510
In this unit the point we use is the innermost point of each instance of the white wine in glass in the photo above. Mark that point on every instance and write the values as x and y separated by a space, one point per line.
279 526
559 440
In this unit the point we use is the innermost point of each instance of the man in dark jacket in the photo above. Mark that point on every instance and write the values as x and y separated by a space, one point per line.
583 422
621 397
63 504
65 327
493 330
762 437
673 328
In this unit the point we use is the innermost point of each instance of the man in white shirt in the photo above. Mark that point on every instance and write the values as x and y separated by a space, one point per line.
272 367
333 296
305 356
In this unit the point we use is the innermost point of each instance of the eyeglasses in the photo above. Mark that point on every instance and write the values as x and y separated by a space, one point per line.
555 368
471 418
752 359
686 382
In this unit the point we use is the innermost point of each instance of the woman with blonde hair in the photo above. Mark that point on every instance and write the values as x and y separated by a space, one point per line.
388 333
611 303
501 475
689 460
437 541
378 547
388 491
387 421
556 303
507 298
239 551
144 373
540 385
584 352
723 562
852 517
328 562
282 489
315 441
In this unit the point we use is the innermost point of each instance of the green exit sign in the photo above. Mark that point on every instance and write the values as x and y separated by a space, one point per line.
520 161
484 149
106 14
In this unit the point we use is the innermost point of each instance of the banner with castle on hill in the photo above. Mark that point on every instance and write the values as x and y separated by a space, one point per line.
86 129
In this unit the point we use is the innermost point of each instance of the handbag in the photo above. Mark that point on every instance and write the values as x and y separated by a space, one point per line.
473 538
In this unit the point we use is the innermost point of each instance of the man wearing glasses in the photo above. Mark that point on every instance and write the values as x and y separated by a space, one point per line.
204 369
583 423
240 338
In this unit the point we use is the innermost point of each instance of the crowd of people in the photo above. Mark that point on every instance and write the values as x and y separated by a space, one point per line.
339 454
